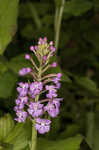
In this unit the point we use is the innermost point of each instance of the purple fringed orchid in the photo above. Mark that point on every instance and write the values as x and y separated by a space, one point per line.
29 103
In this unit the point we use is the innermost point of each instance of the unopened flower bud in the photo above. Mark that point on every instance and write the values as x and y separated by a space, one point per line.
54 64
27 56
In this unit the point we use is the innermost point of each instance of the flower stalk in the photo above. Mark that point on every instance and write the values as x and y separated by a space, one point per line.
34 137
34 131
29 103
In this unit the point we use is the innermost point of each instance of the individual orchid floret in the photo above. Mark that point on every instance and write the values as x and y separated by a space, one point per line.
57 78
44 58
54 64
51 43
56 101
19 104
23 88
35 88
24 71
52 48
21 100
27 56
24 99
52 109
58 85
42 125
35 109
32 48
51 91
21 116
42 41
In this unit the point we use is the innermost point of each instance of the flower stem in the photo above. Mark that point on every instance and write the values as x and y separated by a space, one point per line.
34 131
58 19
34 136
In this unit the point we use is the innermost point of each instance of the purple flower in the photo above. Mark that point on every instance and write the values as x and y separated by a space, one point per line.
21 116
24 71
32 48
54 64
57 78
35 47
58 85
35 88
42 41
35 109
23 100
52 48
56 101
16 108
51 43
18 101
28 103
44 58
27 56
52 109
59 75
42 125
19 104
52 91
23 89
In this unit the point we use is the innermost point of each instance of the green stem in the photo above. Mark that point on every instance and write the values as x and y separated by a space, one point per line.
34 131
34 15
58 20
34 136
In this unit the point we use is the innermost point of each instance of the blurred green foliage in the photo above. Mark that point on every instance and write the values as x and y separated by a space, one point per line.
78 59
8 22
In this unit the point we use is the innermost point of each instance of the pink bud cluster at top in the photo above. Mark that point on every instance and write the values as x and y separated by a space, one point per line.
29 103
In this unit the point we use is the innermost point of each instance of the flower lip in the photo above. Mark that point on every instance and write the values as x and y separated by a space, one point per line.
44 121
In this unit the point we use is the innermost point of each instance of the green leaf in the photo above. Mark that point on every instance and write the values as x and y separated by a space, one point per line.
5 146
42 9
71 130
96 4
87 83
7 83
77 7
8 21
3 66
20 136
27 30
93 130
72 143
92 36
6 125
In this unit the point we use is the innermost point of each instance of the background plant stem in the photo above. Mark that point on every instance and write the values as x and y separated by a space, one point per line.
58 19
34 15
